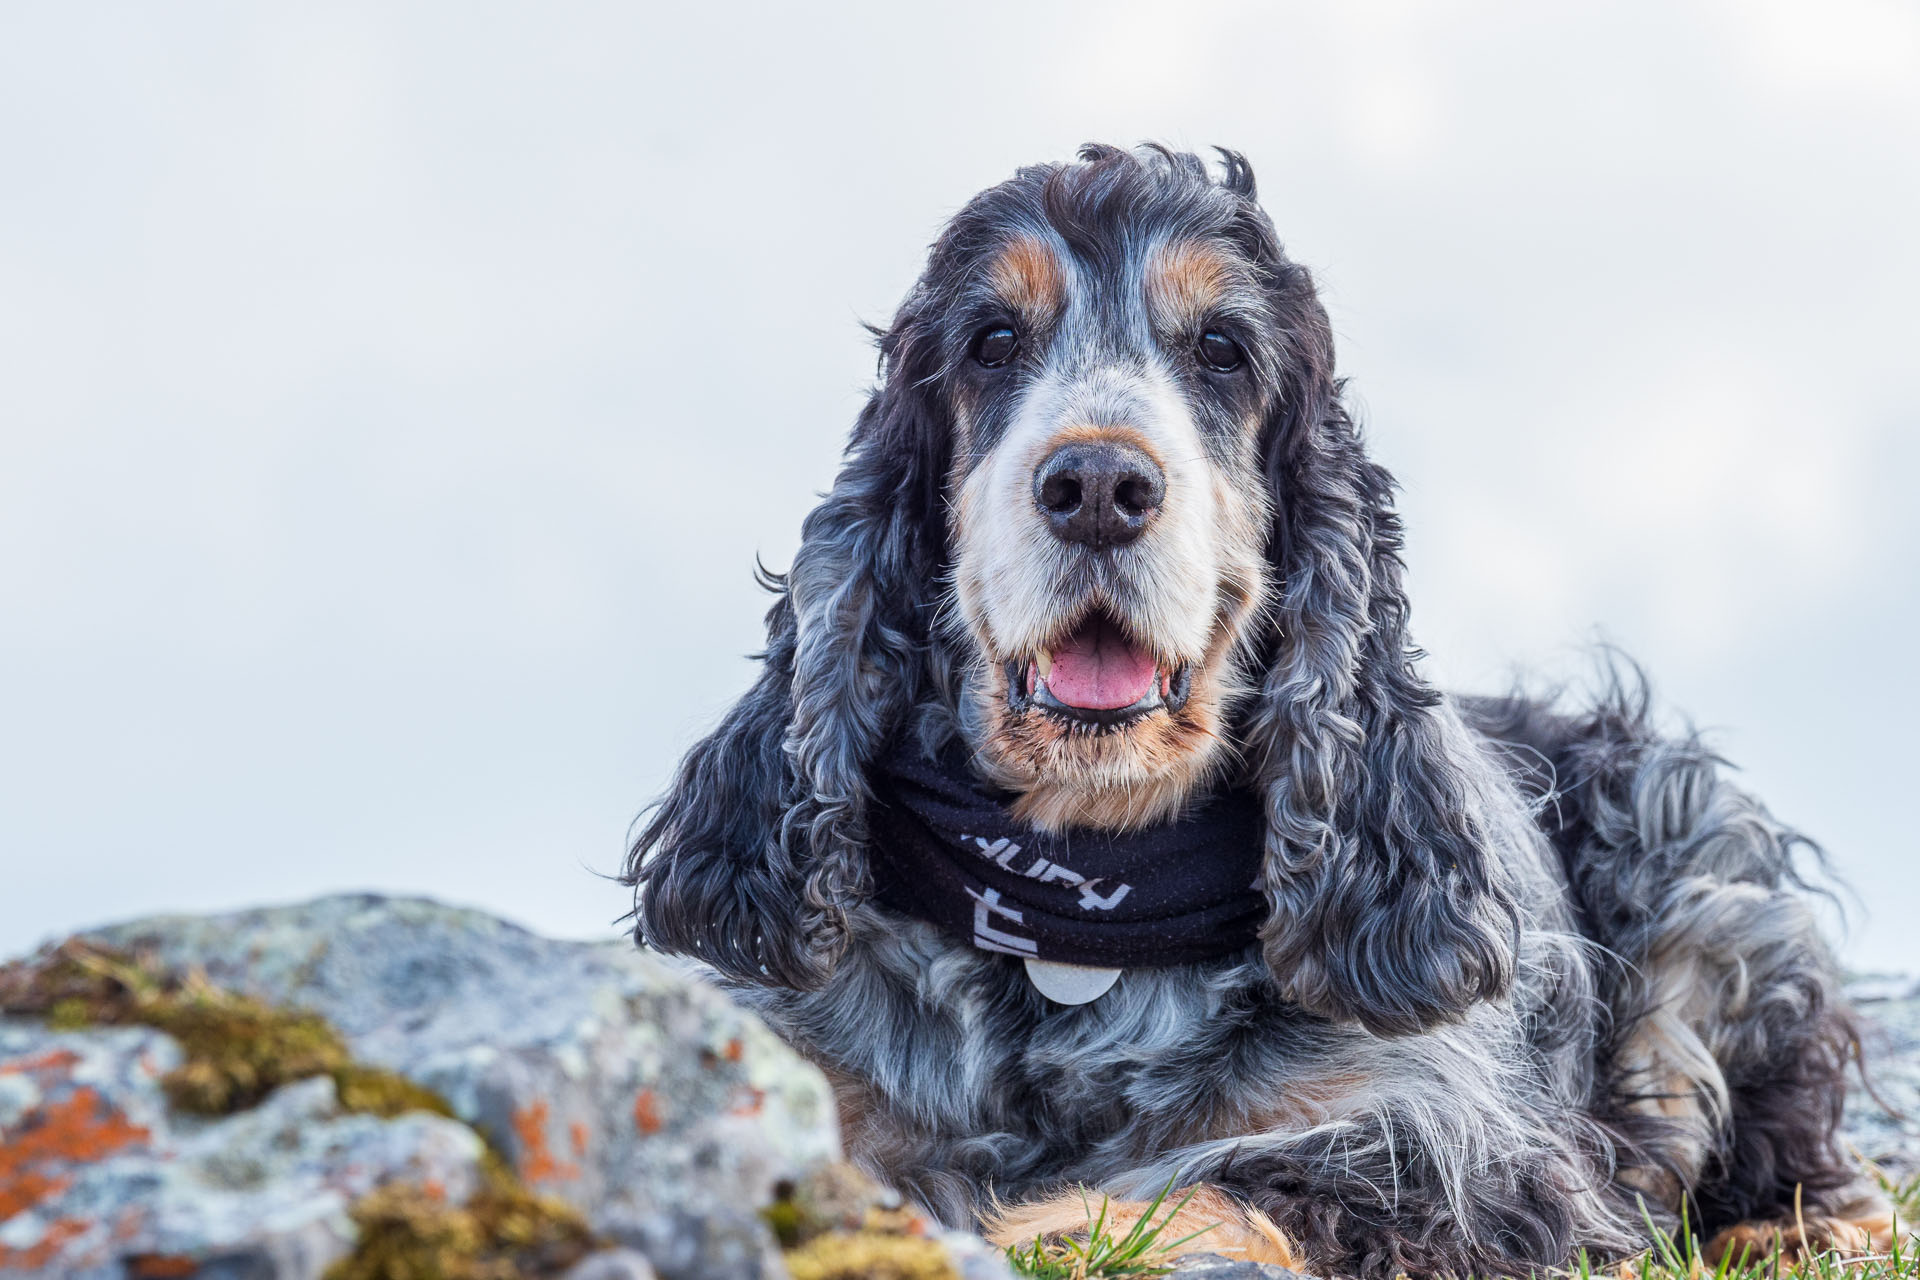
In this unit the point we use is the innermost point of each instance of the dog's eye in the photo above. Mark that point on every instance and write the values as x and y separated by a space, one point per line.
995 346
1219 352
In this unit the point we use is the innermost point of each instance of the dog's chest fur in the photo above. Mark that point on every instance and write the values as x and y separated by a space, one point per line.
957 1079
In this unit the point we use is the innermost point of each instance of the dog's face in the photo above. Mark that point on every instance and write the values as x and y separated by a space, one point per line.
1110 359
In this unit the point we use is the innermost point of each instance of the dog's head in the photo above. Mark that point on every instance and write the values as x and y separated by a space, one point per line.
1106 518
1114 336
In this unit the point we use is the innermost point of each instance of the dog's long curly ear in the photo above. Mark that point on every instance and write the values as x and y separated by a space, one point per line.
755 856
1386 904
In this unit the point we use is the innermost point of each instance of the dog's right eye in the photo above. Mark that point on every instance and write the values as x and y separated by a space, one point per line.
1219 352
995 346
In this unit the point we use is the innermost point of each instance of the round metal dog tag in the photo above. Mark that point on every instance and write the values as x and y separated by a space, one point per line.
1070 983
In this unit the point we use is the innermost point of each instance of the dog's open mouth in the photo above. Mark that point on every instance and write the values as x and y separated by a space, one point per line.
1098 675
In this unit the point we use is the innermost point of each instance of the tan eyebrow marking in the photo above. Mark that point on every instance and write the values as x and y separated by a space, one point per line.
1027 276
1188 279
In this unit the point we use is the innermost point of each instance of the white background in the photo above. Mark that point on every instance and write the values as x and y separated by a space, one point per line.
393 398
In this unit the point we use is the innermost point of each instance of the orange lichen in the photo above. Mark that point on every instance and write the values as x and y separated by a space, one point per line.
577 1133
537 1162
76 1129
51 1060
748 1101
646 1112
25 1190
39 1254
736 1049
161 1266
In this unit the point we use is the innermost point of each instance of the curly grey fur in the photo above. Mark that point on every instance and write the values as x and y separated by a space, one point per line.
1522 967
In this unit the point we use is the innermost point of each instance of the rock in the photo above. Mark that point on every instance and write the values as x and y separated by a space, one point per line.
611 1078
612 1264
973 1258
722 1243
95 1171
1891 1011
1215 1266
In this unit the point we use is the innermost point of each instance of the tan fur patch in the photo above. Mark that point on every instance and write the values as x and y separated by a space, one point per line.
1869 1231
1672 1073
1027 276
1187 279
1086 433
1225 1225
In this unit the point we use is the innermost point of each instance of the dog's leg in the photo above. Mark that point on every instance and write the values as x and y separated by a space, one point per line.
1861 1228
1217 1222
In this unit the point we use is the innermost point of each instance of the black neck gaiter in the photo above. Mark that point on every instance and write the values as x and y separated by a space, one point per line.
945 849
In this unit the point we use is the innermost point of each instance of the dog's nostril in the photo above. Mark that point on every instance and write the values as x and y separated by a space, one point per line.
1138 496
1060 493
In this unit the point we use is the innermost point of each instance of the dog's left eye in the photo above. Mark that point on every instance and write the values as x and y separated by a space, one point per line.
1219 352
995 346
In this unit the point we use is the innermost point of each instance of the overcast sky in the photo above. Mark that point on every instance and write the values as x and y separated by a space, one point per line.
394 397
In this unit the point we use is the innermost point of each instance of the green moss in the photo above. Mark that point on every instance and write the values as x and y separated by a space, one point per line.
407 1234
238 1049
838 1224
377 1091
834 1197
69 1015
784 1218
505 1232
869 1255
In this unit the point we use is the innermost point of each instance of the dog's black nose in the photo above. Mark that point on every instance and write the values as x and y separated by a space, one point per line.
1099 493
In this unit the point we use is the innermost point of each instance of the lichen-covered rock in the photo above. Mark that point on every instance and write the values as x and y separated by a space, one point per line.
1890 1006
98 1179
615 1080
609 1077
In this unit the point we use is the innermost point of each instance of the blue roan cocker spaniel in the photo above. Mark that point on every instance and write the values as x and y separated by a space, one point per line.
1092 825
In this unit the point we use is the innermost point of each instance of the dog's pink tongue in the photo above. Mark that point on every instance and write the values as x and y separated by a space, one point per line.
1098 669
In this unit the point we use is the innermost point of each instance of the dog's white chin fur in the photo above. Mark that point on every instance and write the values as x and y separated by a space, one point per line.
1114 778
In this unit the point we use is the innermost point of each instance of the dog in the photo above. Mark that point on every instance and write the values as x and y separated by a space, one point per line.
1431 984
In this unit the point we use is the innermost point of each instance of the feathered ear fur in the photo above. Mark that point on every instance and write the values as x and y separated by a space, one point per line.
1386 905
756 855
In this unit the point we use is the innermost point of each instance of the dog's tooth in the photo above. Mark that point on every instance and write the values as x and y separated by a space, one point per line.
1044 661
